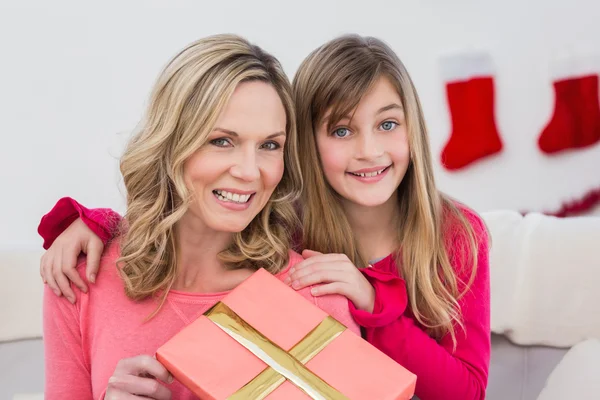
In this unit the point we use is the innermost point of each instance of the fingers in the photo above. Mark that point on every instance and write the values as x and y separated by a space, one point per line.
49 278
301 269
144 365
42 266
315 256
69 266
310 253
319 260
139 375
330 288
322 275
93 249
141 386
58 266
61 280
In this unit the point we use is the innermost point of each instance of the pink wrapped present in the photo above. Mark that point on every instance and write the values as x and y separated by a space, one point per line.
265 341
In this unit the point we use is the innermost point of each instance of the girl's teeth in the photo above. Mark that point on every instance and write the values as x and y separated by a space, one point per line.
369 174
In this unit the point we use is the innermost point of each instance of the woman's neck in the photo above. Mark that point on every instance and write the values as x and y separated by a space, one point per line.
375 228
198 267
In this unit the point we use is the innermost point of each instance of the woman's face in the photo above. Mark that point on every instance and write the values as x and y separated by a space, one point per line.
233 175
365 156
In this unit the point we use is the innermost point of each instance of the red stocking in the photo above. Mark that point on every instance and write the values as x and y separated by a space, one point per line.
470 90
576 119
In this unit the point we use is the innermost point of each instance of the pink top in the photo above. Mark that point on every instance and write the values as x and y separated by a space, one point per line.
83 342
441 373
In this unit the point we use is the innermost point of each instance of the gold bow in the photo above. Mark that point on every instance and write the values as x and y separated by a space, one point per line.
282 365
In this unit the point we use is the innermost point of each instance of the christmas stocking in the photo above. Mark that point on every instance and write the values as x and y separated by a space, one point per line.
575 122
470 90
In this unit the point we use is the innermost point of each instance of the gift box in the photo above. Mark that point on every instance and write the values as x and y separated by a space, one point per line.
265 341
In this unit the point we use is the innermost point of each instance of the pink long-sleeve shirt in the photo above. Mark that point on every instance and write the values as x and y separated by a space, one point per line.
442 373
83 342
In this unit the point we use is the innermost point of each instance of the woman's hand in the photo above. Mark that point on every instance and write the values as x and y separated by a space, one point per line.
139 378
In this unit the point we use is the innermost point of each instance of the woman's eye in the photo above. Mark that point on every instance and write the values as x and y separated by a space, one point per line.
271 146
220 142
341 132
388 125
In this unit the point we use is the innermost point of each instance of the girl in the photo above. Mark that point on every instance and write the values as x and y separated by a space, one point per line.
370 204
208 203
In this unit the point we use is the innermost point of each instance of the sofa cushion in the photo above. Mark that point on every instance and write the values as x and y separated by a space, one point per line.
545 273
577 376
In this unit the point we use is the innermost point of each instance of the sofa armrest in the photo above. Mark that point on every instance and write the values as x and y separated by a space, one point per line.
21 292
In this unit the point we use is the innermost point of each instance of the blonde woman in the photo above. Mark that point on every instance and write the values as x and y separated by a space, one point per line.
369 204
210 177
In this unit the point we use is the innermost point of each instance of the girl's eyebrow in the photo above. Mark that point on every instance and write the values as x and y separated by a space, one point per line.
392 106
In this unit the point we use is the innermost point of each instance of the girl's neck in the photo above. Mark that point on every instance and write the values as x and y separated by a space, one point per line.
198 267
375 228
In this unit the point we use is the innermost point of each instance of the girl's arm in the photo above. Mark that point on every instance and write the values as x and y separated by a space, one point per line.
102 221
68 230
441 372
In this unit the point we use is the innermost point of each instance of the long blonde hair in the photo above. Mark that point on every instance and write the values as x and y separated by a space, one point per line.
336 76
186 101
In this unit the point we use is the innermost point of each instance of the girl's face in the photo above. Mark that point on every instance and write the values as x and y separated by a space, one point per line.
365 156
234 174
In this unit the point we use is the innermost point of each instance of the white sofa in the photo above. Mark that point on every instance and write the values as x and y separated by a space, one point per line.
545 275
545 278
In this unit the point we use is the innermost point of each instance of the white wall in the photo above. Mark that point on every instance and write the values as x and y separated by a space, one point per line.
74 79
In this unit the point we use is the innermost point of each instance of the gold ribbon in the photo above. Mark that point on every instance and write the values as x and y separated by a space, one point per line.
282 365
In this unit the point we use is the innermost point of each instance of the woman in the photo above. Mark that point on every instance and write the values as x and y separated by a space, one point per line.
210 179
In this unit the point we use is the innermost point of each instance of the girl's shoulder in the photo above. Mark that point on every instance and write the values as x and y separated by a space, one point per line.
455 227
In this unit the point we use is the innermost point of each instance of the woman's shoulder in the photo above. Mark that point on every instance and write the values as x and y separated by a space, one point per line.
107 271
294 258
106 285
333 304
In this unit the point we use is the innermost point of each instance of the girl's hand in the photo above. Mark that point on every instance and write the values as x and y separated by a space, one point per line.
138 378
337 274
57 266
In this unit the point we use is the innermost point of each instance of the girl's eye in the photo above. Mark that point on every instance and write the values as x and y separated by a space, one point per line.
271 146
341 132
221 142
388 125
